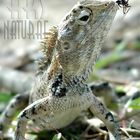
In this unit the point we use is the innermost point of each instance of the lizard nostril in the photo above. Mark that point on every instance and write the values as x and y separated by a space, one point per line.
106 4
81 7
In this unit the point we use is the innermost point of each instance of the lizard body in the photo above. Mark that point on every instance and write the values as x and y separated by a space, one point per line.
60 91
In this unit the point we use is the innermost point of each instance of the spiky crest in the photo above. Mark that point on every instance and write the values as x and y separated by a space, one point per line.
48 45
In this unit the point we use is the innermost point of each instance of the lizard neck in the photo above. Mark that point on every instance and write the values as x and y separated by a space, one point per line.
63 84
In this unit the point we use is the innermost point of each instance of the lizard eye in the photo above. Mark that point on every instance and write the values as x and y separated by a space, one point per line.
83 17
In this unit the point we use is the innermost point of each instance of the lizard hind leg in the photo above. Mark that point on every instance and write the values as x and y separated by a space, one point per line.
100 111
18 102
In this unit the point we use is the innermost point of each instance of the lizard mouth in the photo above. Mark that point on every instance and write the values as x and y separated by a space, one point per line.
106 16
102 20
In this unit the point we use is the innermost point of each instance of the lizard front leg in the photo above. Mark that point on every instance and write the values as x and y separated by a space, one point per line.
99 110
18 102
33 111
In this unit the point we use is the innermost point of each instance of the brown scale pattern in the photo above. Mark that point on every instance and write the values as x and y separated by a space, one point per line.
48 45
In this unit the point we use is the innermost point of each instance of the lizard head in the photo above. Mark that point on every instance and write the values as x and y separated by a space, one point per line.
81 33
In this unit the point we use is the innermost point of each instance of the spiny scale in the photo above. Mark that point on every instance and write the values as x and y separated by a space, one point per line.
48 45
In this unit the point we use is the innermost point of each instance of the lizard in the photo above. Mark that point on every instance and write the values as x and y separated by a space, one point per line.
60 91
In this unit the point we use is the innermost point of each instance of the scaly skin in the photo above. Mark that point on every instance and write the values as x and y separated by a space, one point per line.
60 91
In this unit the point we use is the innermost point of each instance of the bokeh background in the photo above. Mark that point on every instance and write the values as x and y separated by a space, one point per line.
119 64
